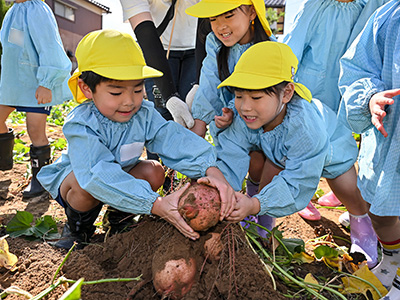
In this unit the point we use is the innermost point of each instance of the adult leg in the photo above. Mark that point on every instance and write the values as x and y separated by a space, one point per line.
362 234
40 151
6 139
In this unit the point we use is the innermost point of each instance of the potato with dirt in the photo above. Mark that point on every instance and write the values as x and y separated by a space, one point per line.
200 206
174 269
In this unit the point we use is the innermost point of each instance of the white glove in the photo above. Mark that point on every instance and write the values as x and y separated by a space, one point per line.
190 96
180 112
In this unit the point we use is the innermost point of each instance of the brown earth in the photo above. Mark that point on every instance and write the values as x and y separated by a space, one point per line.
238 274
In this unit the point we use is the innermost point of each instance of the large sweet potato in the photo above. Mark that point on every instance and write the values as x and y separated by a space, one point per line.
200 206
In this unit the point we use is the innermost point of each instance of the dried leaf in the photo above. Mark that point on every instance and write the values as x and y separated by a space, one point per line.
7 259
353 285
310 279
303 257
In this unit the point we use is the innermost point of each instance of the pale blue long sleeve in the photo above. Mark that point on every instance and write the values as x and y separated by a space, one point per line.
101 152
319 37
371 65
307 145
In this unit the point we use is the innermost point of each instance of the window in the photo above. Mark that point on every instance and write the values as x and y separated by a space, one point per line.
63 10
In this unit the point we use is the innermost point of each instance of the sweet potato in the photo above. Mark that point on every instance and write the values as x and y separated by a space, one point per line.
213 246
200 206
176 279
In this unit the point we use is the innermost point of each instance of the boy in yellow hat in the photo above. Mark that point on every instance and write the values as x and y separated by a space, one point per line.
298 134
106 138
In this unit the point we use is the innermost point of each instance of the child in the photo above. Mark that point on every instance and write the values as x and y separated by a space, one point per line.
369 82
106 137
34 75
300 135
320 35
236 25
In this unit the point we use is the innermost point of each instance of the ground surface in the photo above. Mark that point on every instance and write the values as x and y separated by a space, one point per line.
130 254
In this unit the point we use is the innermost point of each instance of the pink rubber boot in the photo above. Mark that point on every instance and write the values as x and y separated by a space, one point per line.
329 200
310 213
363 238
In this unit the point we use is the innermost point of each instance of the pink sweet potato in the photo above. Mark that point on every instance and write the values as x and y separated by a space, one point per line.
200 206
176 279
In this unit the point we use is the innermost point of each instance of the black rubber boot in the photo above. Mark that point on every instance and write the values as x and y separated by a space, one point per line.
116 221
79 227
6 150
40 156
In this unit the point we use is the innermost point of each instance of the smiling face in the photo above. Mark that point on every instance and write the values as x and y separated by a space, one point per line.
234 26
259 109
117 100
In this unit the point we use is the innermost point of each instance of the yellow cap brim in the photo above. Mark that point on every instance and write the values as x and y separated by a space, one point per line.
258 82
114 73
205 9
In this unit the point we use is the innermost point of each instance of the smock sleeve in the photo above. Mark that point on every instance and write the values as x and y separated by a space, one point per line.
233 152
292 189
207 97
54 65
97 172
360 77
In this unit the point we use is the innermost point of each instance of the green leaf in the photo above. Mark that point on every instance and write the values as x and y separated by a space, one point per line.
45 226
294 245
74 292
325 251
60 144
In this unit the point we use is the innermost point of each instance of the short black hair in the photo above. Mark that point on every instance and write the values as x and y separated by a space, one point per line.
92 79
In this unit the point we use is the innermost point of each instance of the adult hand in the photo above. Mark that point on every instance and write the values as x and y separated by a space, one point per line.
225 120
180 112
190 96
43 95
377 105
167 208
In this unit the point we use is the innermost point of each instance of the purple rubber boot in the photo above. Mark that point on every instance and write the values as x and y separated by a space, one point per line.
264 220
363 238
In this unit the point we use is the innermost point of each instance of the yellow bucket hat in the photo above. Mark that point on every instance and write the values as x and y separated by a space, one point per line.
213 8
111 54
266 64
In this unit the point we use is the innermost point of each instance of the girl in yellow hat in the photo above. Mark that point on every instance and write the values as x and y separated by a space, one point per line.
236 25
300 135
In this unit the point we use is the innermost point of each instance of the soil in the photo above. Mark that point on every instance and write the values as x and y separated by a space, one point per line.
238 274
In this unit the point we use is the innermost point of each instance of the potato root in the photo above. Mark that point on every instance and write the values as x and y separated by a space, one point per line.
213 246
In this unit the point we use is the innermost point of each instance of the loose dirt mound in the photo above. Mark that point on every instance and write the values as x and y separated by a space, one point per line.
239 274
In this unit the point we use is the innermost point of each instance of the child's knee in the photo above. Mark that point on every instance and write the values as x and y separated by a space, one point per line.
151 171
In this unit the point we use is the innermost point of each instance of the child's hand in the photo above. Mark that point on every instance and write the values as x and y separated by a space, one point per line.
167 208
244 206
43 95
216 179
199 128
377 108
225 120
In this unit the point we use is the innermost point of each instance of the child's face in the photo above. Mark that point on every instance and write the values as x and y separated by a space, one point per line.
116 100
258 109
234 26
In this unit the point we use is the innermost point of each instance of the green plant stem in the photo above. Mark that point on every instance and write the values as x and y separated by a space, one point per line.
299 283
105 280
62 263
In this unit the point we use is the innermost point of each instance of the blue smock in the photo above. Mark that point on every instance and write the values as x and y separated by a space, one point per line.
319 37
371 65
309 143
33 56
101 152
